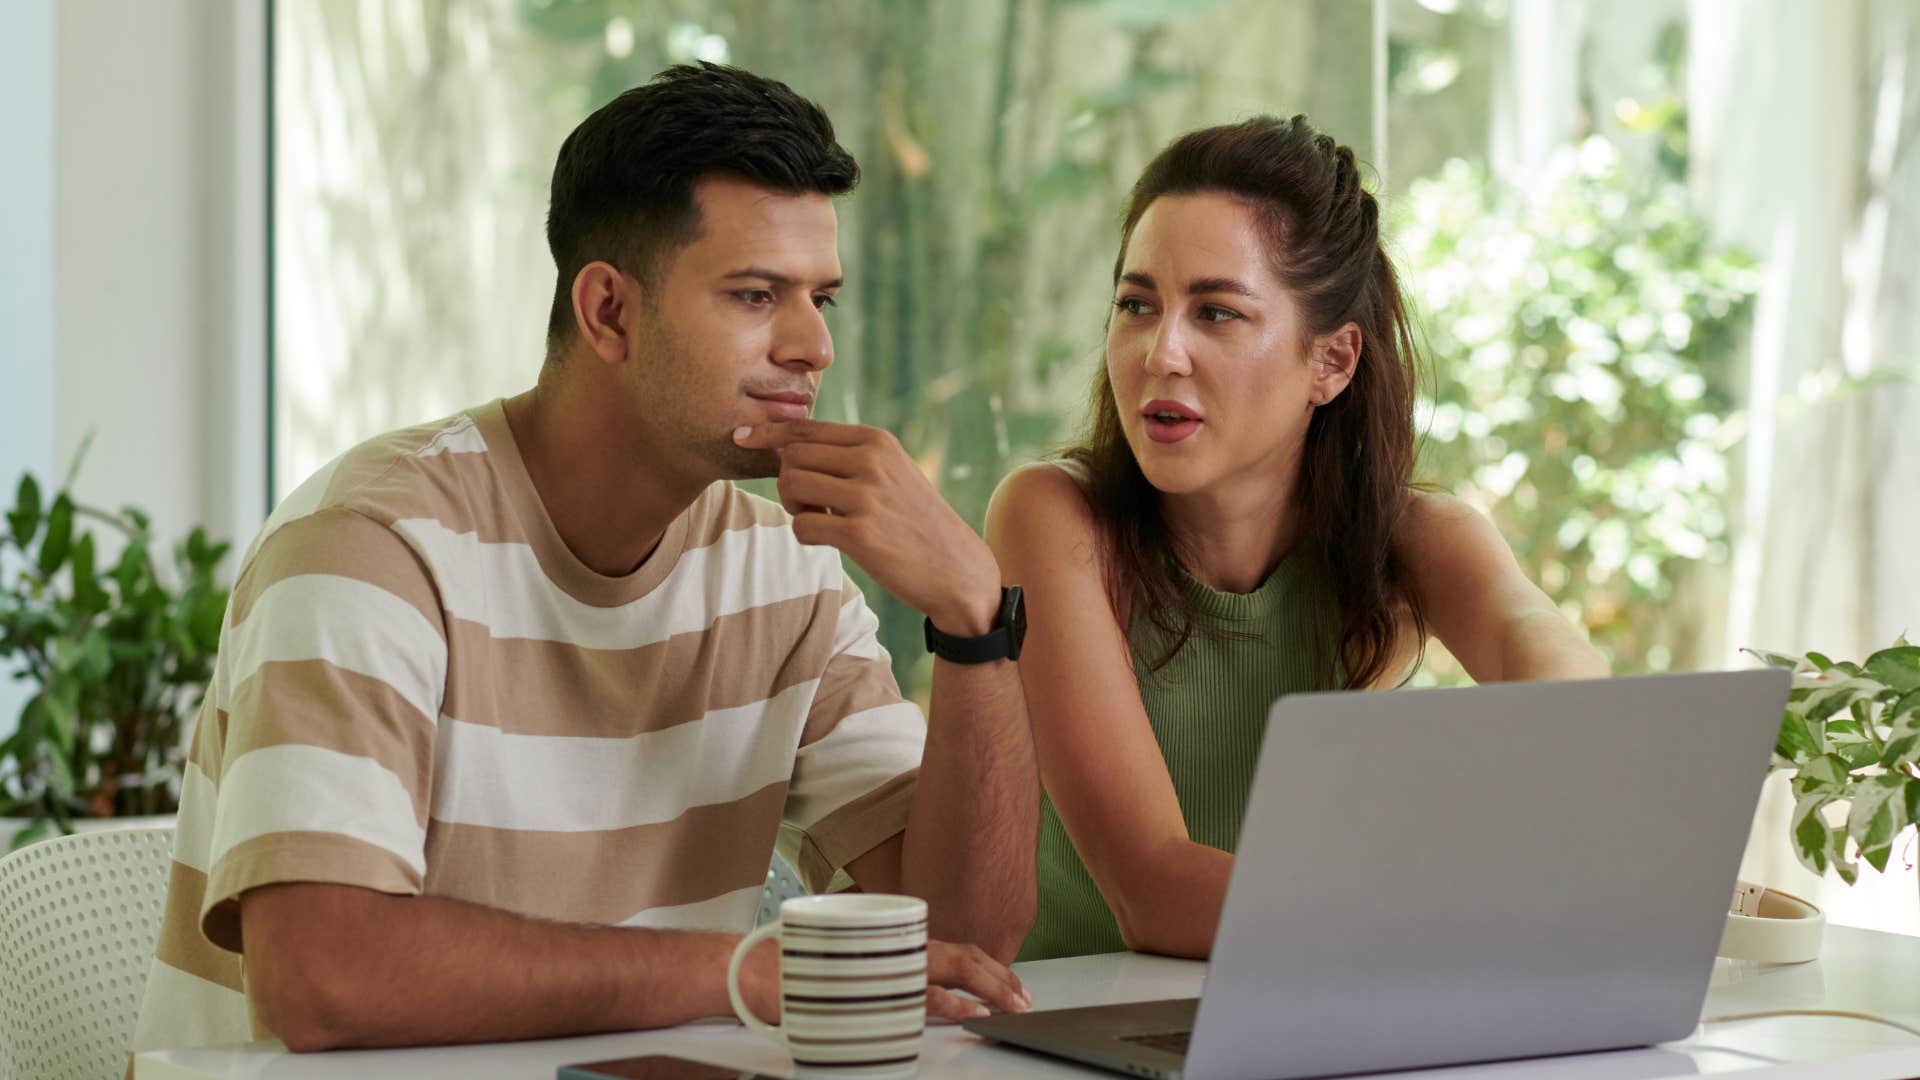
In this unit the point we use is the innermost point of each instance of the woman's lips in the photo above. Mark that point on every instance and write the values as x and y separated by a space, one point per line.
1169 421
1170 431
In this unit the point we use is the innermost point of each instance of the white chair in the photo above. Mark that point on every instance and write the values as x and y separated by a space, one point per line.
78 918
782 884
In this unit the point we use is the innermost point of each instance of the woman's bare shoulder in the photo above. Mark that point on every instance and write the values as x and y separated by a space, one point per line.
1438 508
1445 527
1046 494
1042 527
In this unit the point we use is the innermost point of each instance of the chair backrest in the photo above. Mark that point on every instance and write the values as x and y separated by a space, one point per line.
78 918
782 885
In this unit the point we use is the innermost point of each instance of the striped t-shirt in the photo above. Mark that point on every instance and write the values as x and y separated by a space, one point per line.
421 690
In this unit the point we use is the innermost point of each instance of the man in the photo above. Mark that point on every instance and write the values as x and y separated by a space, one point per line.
510 707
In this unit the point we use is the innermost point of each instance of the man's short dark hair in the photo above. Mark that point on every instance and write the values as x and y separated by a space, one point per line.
623 183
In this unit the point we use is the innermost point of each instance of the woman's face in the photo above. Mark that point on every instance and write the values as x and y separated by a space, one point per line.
1209 362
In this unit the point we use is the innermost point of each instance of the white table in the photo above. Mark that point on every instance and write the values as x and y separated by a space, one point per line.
1859 970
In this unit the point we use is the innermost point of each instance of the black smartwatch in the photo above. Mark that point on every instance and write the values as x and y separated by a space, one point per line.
1000 643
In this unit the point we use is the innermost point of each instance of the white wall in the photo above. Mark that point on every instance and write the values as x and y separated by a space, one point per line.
160 202
26 241
132 256
26 260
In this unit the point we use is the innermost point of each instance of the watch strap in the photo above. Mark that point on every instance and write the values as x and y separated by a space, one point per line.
996 644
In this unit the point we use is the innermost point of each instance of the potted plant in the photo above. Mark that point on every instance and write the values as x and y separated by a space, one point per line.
117 657
1851 735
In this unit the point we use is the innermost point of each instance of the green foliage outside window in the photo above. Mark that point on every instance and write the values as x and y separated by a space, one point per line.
1583 337
1582 332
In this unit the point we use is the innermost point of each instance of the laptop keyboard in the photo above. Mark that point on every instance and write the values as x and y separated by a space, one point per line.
1173 1042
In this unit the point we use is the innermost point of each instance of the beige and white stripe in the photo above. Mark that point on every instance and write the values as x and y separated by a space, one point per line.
420 690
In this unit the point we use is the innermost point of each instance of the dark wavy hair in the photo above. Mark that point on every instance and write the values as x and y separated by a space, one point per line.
623 181
1323 231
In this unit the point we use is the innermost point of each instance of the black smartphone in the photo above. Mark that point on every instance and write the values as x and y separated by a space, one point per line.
656 1067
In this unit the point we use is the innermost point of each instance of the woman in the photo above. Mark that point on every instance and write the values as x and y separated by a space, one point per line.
1238 524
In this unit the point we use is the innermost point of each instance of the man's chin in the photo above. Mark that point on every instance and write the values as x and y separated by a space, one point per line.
740 463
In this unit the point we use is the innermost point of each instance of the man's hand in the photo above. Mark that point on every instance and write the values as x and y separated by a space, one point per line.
949 968
854 488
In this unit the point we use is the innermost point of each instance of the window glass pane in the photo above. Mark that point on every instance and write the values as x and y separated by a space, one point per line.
1654 246
997 140
1585 324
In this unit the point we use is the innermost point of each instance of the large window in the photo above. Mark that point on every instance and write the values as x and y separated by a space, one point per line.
1650 264
1653 246
997 142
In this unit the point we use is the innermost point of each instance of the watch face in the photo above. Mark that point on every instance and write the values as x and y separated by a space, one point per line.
1014 612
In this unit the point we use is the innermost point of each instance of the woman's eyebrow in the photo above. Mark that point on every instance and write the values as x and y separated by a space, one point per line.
1197 286
1220 285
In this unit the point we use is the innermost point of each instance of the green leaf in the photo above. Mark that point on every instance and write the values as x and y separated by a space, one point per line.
1775 660
1878 814
1898 667
59 539
33 720
1796 742
197 546
24 520
1829 698
1858 755
1825 775
79 457
1848 870
1846 731
62 765
81 560
1904 713
96 659
206 617
39 830
1810 839
128 571
1901 748
1819 661
61 708
87 595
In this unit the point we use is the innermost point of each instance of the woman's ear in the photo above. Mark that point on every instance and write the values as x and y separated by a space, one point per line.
1335 358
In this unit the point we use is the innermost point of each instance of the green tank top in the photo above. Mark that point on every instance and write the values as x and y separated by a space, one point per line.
1209 710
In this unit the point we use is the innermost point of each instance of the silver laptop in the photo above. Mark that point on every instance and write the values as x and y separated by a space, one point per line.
1433 877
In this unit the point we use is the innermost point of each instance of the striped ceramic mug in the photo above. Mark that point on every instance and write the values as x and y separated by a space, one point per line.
853 983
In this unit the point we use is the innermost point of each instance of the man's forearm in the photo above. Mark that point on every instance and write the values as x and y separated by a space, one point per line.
969 847
374 970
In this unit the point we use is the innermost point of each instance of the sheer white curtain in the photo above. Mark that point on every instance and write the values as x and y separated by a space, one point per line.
1806 150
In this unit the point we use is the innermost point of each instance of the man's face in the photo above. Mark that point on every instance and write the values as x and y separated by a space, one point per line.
734 332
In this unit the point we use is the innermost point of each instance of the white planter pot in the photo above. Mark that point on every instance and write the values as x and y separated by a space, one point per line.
9 827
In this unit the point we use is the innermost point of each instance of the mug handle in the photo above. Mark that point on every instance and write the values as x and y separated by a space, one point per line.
733 981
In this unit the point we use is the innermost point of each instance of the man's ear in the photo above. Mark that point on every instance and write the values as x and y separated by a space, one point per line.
604 298
1336 356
